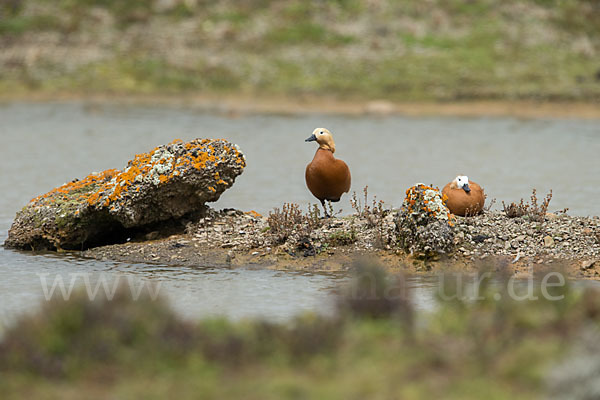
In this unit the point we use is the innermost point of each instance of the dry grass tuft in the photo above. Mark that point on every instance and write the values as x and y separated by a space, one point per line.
534 211
290 219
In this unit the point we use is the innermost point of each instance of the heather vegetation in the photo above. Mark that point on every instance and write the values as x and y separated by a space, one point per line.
374 347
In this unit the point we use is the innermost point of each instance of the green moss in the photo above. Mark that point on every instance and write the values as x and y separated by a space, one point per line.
342 238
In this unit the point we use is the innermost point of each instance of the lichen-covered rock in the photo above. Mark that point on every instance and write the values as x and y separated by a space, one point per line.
424 224
164 184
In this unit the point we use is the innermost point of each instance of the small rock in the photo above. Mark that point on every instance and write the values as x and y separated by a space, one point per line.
521 238
152 235
480 238
587 264
548 241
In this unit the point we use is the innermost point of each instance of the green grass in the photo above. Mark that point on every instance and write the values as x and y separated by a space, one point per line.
19 24
306 32
410 50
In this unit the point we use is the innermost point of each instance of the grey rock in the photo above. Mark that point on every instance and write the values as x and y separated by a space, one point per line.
165 184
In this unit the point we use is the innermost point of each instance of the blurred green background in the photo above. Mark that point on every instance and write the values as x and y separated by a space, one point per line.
412 50
374 348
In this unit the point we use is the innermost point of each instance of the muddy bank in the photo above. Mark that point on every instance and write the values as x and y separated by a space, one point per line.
231 238
234 105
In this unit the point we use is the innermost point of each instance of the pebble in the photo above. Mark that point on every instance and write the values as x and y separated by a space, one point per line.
587 264
491 233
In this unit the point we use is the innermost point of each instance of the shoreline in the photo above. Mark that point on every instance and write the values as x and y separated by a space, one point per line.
339 260
180 250
233 239
241 104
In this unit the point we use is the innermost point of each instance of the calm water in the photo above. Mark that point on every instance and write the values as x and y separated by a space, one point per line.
44 146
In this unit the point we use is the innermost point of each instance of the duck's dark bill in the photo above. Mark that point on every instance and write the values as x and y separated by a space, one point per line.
466 188
312 138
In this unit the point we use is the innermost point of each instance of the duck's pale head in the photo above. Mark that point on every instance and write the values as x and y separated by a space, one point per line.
323 137
462 182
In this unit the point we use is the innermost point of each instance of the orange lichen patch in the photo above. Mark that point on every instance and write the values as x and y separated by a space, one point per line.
199 154
254 214
77 190
157 167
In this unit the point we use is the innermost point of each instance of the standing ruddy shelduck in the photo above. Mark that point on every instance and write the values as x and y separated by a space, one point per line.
464 198
327 178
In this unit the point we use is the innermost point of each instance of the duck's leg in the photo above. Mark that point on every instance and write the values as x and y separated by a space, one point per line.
325 209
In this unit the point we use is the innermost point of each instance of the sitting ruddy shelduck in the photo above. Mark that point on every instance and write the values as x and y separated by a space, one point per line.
327 178
463 198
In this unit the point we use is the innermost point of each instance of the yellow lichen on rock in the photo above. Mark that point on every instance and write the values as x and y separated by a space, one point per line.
84 189
158 166
165 183
429 199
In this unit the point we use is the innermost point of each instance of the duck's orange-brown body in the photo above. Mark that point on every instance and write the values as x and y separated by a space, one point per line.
462 203
327 178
